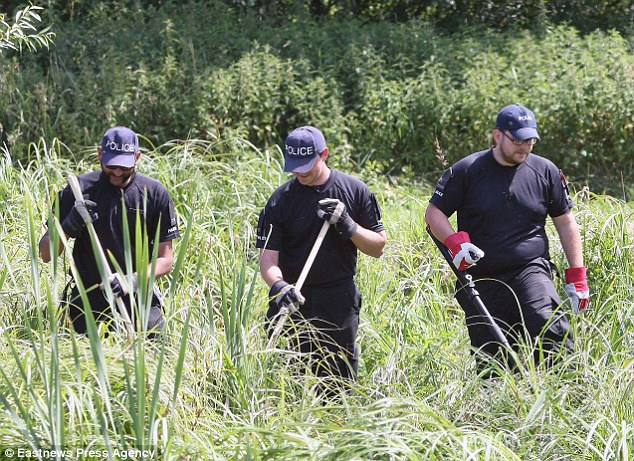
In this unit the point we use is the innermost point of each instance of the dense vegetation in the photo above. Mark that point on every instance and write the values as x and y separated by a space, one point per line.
213 87
584 15
395 97
213 390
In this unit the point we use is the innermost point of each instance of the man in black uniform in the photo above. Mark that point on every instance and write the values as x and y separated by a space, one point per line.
502 197
287 228
103 190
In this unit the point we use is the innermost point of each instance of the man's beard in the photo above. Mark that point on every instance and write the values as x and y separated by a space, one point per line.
120 179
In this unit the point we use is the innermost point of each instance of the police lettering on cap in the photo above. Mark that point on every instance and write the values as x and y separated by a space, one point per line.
119 147
302 148
519 121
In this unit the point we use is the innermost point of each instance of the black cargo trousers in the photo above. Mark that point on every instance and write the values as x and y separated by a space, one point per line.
525 305
325 328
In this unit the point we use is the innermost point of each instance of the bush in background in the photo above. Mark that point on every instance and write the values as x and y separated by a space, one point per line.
393 97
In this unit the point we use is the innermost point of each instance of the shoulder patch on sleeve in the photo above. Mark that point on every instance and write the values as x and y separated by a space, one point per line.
564 185
443 181
377 208
263 231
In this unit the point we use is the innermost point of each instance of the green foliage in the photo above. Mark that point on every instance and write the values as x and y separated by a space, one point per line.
263 95
585 15
399 97
23 32
212 389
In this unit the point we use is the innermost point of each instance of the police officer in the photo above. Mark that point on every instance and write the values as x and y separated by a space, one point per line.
502 197
145 199
287 228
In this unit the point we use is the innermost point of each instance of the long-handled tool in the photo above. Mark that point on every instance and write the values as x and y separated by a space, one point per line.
79 197
286 312
467 284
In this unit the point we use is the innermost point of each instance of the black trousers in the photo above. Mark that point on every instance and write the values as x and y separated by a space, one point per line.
525 305
102 311
325 328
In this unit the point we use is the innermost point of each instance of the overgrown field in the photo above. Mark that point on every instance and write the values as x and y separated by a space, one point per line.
212 389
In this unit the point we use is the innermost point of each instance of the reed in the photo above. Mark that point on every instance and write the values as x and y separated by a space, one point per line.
210 389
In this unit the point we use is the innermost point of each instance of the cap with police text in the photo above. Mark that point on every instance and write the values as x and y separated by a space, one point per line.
519 121
119 147
302 148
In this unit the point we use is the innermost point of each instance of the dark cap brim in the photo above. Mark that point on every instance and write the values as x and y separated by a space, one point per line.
115 160
299 165
525 133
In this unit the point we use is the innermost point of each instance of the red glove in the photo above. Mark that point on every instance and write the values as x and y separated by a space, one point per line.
577 288
465 254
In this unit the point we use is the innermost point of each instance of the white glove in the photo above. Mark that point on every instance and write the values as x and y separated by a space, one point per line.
577 288
465 254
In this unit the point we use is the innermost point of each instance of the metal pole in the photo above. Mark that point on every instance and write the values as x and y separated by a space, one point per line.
467 284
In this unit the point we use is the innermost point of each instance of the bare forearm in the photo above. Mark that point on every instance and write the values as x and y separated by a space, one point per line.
164 260
163 267
438 223
570 239
369 242
271 275
45 247
269 268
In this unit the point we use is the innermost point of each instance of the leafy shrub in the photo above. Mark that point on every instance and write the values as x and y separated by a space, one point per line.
396 97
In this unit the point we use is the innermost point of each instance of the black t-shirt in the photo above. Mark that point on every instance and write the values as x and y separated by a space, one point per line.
148 196
503 208
289 224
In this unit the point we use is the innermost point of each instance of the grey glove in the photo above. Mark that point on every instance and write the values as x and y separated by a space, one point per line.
285 296
334 211
120 285
81 214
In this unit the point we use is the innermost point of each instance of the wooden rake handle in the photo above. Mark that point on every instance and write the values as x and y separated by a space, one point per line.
300 282
73 182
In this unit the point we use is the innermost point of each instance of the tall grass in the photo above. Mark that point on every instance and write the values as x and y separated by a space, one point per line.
212 390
